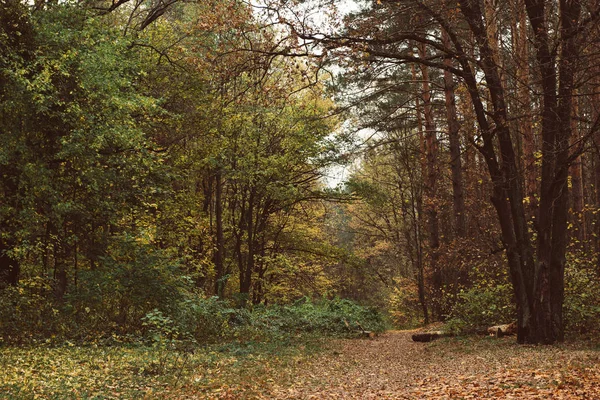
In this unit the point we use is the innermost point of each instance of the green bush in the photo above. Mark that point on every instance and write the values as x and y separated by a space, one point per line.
27 312
111 299
137 293
581 311
481 307
330 317
130 282
210 320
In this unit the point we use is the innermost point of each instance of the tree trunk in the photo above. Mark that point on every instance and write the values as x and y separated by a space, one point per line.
578 217
220 242
418 208
431 173
596 180
248 269
525 122
548 292
60 272
507 182
458 200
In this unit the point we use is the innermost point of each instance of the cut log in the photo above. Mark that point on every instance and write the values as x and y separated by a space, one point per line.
503 330
428 336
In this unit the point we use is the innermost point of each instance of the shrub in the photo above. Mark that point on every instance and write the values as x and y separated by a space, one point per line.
324 316
403 304
581 310
481 307
28 312
209 319
131 281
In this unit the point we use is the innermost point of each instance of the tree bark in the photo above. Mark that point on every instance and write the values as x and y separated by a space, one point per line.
507 182
458 199
418 208
578 217
557 89
431 173
525 122
220 241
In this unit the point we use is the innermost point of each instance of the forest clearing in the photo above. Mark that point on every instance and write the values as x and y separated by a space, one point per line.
391 366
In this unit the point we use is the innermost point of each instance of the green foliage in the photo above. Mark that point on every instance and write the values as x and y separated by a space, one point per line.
330 317
160 327
26 311
131 281
490 303
210 320
482 306
110 152
581 311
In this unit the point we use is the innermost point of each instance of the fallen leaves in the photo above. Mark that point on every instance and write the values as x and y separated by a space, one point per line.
394 367
388 367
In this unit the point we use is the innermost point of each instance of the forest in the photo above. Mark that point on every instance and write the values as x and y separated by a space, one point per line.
195 194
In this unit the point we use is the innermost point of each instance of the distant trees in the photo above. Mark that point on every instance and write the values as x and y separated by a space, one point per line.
517 100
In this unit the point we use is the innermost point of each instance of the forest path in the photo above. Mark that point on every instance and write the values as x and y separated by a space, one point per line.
392 366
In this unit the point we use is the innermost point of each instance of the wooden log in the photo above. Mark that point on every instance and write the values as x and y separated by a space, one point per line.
428 336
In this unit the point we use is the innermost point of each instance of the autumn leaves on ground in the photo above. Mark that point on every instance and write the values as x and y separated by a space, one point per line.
394 367
390 366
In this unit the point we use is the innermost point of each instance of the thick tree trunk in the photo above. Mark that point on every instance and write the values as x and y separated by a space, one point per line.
596 162
548 292
507 182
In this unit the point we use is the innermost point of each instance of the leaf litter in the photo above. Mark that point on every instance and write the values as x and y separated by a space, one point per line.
391 366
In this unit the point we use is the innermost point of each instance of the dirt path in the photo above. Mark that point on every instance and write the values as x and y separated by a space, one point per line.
393 367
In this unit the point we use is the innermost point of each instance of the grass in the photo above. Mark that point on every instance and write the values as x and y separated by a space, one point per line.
132 372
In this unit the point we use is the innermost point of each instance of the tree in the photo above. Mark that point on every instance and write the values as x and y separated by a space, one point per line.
388 222
384 33
74 142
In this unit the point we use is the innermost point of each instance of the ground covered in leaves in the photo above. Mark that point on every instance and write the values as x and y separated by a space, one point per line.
390 366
